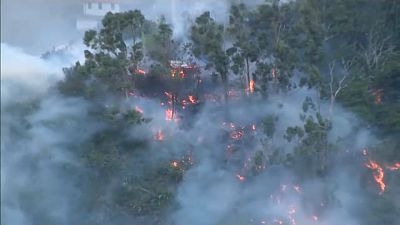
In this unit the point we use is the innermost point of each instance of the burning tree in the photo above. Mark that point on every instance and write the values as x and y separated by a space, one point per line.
244 50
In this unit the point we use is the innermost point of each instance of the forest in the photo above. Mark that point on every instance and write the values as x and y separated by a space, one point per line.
286 113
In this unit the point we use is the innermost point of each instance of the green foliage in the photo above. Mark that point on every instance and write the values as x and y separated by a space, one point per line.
109 58
268 125
207 38
160 45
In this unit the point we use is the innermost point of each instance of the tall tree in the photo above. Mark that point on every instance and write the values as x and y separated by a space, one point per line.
208 45
244 50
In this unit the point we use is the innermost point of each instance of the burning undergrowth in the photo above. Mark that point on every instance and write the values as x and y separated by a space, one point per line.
191 160
119 142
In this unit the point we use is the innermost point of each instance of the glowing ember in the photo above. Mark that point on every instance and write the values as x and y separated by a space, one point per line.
169 115
251 86
379 174
182 74
159 136
139 110
168 94
174 164
253 127
140 72
273 72
395 166
173 73
240 177
192 99
378 96
237 135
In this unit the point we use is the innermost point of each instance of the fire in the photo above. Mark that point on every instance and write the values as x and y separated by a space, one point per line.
379 174
168 94
159 136
273 72
394 167
139 110
236 135
378 96
253 127
173 73
240 177
182 74
192 99
140 72
174 164
251 86
169 115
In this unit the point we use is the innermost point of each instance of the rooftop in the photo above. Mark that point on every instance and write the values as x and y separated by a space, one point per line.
103 1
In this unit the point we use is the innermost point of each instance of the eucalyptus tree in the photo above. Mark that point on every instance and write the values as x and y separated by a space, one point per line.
208 45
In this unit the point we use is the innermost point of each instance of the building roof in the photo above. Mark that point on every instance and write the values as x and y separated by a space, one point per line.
102 1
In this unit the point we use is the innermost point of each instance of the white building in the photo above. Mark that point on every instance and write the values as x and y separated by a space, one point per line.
94 11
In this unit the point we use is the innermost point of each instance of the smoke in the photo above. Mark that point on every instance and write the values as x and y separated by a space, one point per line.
37 131
213 193
246 179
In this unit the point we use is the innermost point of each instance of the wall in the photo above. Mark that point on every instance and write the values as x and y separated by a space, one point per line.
94 8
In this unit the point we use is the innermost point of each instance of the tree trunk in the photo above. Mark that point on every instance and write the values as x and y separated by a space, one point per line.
248 72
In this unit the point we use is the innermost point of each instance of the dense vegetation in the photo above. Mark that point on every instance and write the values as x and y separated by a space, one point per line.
348 51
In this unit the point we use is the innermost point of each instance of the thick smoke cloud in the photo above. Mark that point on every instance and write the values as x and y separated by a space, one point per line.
38 127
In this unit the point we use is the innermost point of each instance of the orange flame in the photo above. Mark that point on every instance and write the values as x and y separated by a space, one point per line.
139 110
159 136
174 164
182 74
140 72
379 174
240 177
169 115
394 167
168 94
251 86
236 135
192 99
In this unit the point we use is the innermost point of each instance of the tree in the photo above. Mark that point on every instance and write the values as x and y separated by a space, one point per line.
244 48
162 47
337 86
111 55
208 45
